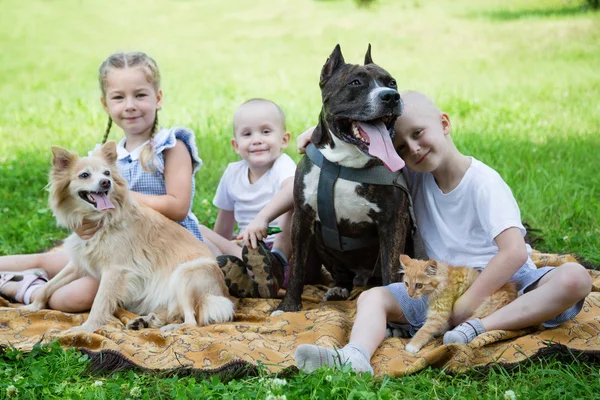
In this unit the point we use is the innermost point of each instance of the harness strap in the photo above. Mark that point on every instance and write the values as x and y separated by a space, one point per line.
376 175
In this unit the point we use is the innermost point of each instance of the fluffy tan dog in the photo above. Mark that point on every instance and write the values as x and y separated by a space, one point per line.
145 262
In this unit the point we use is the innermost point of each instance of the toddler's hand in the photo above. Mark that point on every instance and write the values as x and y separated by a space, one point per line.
304 139
255 231
87 229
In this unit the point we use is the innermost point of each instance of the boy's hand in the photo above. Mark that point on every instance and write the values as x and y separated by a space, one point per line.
255 231
304 139
87 229
463 308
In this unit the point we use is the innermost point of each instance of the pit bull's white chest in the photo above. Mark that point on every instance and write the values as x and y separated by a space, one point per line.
348 205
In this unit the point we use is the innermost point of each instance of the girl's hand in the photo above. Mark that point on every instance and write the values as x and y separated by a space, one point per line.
304 139
87 229
255 231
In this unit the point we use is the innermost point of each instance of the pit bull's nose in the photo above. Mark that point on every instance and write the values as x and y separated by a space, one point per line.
390 97
105 184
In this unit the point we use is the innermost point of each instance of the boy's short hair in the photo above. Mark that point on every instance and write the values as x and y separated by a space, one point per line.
261 100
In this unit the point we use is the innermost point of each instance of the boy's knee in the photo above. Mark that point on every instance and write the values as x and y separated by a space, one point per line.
575 280
374 297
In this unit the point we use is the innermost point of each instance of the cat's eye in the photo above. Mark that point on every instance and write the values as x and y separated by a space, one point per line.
419 285
406 284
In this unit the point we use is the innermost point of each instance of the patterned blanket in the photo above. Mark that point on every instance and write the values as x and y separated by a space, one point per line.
235 349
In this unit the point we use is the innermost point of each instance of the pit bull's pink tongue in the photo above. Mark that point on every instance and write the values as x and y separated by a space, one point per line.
381 145
102 201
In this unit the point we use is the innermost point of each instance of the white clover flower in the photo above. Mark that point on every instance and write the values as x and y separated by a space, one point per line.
277 383
12 391
565 238
328 378
135 391
271 396
98 383
17 378
509 395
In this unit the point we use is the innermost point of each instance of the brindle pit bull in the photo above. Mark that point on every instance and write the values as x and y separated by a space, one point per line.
356 126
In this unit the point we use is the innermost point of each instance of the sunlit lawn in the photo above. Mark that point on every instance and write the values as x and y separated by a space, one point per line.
519 79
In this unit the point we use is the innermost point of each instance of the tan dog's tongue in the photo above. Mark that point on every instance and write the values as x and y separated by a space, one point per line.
381 145
102 201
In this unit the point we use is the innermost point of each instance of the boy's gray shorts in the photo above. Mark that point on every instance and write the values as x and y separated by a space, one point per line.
415 310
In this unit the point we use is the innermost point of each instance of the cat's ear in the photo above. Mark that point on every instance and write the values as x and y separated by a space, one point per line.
431 268
404 259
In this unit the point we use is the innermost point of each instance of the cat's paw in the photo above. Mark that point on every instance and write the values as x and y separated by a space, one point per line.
412 349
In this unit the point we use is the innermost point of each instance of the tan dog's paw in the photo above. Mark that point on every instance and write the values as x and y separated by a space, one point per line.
32 307
145 321
175 327
89 328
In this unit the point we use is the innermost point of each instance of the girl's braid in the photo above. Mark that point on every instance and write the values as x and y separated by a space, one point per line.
108 126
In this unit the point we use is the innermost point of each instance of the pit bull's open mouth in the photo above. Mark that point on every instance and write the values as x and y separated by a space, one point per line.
373 138
97 199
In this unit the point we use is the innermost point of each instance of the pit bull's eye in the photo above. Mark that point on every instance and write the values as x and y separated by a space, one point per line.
419 285
107 173
393 83
84 175
355 82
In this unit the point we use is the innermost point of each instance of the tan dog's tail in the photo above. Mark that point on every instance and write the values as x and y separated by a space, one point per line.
214 309
201 293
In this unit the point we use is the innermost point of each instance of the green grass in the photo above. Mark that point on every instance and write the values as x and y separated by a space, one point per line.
518 78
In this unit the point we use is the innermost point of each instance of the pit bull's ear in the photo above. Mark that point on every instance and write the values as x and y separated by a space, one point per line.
368 59
431 268
335 60
62 158
109 151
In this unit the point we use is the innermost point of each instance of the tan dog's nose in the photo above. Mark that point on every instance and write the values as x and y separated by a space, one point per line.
105 184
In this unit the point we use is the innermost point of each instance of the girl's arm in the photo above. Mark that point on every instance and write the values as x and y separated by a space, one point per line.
512 254
225 223
178 170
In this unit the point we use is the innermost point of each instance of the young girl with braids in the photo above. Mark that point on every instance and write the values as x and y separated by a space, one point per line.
159 165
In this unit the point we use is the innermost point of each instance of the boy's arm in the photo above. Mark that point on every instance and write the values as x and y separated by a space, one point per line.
282 202
225 223
512 254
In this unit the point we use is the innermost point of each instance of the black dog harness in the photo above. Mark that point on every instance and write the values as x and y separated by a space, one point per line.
375 175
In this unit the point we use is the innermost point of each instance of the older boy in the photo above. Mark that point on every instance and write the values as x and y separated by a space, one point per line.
467 215
253 192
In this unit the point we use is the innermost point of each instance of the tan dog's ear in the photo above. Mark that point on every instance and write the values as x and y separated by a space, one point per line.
62 158
368 59
109 152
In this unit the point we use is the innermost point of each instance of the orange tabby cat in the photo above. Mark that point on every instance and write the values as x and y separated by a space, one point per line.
444 284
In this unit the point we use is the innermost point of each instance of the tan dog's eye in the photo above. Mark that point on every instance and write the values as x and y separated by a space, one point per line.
107 173
84 175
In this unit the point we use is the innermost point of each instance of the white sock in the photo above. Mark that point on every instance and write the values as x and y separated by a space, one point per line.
465 332
310 357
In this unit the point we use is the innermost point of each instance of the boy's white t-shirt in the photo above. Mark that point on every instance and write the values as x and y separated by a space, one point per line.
236 193
459 227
